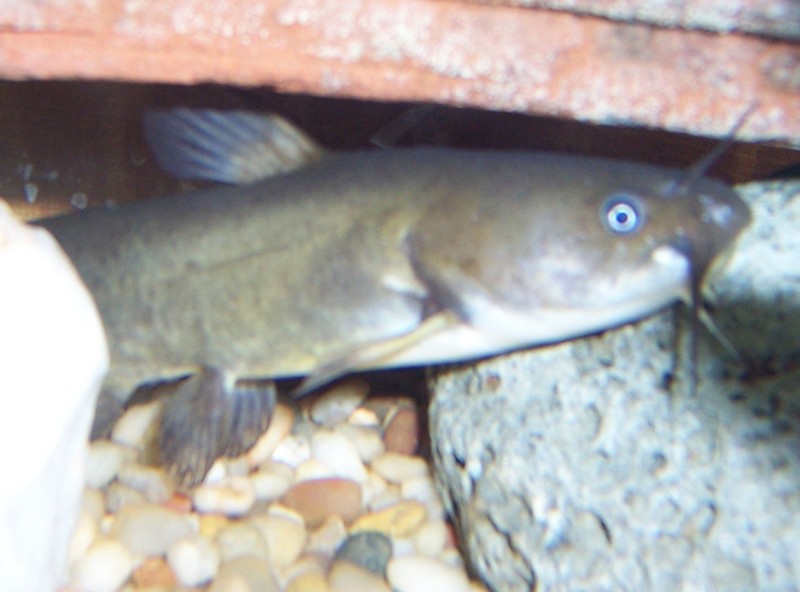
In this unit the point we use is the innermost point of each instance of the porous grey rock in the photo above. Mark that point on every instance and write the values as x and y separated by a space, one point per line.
591 465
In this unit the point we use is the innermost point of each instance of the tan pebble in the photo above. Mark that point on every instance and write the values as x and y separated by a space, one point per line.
194 560
147 529
367 440
477 587
313 469
430 540
285 537
315 500
293 450
210 524
179 502
232 496
385 406
414 573
118 496
337 402
270 485
336 451
327 537
137 424
241 539
402 432
423 490
399 467
104 568
309 582
236 467
152 482
154 571
400 520
364 418
93 502
245 574
307 563
279 427
348 577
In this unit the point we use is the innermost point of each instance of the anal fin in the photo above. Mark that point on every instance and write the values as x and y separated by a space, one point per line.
208 417
376 353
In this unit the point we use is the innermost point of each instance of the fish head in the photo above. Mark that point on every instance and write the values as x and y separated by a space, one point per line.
570 246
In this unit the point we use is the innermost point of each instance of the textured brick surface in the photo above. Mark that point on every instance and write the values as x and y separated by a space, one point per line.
519 59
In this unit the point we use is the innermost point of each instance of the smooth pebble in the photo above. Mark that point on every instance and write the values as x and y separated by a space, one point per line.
313 469
309 582
367 440
154 572
399 520
105 459
414 573
369 550
195 560
119 495
316 500
431 539
337 403
399 467
285 537
336 451
232 496
327 537
279 427
348 577
135 425
104 568
152 482
93 502
84 534
241 539
245 574
147 529
269 485
402 432
293 450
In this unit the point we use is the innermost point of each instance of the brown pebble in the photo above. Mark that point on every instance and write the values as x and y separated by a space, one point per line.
402 432
317 499
179 502
153 572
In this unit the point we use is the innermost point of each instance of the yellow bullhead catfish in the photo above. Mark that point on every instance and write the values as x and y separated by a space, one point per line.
318 264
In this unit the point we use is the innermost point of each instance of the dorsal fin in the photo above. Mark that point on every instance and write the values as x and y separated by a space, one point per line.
226 146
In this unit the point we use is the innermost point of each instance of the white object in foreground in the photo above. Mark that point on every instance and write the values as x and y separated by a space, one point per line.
53 358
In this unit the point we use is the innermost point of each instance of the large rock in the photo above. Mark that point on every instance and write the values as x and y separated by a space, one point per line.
590 465
52 361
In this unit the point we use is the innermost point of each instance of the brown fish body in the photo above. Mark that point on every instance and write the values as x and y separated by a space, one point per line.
340 264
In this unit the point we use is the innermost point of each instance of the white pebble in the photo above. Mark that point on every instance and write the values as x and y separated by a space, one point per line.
135 424
388 497
348 577
337 403
279 427
104 568
269 485
399 467
232 496
147 529
194 560
93 502
431 538
285 536
414 573
374 486
153 483
242 539
245 574
311 470
340 454
105 459
83 536
367 440
292 450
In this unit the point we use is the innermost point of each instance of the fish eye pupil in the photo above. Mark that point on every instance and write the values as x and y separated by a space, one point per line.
622 214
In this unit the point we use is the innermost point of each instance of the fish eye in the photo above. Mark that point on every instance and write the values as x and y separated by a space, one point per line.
622 214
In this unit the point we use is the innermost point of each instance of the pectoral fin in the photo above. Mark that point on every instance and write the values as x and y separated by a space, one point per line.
207 417
377 353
